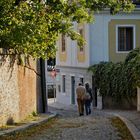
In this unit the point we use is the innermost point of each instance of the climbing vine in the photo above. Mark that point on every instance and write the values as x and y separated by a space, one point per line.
118 80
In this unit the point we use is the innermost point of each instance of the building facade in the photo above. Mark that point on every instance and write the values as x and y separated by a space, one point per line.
109 38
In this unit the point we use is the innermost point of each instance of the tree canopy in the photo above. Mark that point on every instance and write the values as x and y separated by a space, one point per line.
32 27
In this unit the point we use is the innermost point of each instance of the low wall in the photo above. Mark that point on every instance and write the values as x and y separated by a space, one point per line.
138 99
110 103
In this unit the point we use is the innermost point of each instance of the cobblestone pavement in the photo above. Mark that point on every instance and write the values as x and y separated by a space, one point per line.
69 126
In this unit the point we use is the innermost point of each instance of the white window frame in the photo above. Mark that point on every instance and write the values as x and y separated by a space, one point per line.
134 36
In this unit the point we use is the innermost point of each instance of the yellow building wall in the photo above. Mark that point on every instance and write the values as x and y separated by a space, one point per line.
113 55
62 55
81 56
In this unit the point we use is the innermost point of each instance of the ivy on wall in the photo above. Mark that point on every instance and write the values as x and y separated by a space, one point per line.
118 80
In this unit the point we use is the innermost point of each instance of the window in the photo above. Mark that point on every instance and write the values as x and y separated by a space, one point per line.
51 91
63 83
82 80
125 38
81 32
136 2
51 64
63 43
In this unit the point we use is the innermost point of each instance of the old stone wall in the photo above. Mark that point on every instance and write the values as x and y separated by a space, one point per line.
17 91
9 92
27 90
110 103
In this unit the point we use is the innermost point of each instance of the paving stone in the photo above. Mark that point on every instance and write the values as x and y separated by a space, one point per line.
97 126
70 126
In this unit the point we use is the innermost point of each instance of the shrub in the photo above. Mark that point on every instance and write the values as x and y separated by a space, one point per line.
118 79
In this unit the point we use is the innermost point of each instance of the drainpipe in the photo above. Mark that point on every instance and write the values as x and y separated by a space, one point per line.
43 86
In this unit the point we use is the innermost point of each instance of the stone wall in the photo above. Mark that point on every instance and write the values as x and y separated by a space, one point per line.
110 103
9 92
27 91
17 91
138 99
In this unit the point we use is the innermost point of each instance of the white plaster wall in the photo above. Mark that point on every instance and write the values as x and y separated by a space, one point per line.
65 98
98 35
72 48
86 63
57 52
73 51
62 98
69 47
97 40
98 49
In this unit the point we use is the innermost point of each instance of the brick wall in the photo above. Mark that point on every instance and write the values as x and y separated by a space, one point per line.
17 91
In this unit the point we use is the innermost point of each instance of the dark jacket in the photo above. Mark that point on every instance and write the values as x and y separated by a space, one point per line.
90 92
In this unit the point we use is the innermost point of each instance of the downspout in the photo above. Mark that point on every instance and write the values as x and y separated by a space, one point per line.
43 86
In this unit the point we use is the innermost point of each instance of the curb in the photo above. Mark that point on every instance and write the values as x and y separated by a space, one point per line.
27 126
132 128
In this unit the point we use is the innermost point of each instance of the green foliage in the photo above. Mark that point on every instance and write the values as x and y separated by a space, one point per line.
118 80
32 27
34 114
122 129
132 55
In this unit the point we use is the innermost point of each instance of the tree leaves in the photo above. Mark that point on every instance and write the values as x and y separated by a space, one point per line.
32 27
118 80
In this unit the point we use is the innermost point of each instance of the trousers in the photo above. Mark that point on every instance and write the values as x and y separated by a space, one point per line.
80 103
88 107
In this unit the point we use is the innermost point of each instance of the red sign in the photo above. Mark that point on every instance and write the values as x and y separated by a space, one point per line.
53 73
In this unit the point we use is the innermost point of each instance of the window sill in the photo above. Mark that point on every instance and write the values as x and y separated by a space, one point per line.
121 52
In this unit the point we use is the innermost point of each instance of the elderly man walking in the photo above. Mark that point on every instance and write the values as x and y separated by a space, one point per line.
80 91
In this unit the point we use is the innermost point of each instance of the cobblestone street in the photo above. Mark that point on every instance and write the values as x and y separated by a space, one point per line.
69 126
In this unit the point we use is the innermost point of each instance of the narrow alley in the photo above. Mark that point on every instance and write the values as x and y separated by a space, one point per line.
69 126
